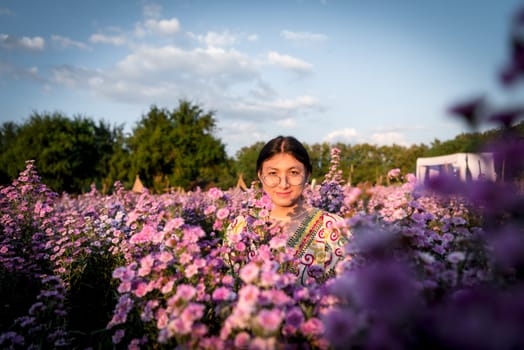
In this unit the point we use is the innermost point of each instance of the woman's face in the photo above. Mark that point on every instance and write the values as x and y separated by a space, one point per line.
292 175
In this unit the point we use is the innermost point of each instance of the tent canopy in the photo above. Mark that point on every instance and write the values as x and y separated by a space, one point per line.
465 166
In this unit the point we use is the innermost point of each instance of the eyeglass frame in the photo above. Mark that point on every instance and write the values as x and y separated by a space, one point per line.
302 181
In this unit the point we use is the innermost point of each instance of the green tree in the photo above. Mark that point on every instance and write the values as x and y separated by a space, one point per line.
8 162
246 160
70 154
178 149
320 155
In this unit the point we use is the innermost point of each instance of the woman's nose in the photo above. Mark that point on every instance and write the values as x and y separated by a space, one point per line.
283 181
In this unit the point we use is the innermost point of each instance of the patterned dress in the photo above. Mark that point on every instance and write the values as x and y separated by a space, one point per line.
317 240
319 245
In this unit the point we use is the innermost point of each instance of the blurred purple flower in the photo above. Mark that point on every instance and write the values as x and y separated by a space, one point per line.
481 318
470 111
293 319
506 117
387 289
340 326
508 246
445 184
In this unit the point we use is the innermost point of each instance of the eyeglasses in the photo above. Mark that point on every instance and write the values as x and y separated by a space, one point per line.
294 178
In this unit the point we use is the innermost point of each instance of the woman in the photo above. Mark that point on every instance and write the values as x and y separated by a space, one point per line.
284 169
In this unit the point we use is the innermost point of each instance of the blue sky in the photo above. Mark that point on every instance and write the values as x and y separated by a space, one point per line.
353 71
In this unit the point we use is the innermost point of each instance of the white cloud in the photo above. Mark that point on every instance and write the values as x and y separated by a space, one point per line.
388 138
214 39
163 75
238 134
169 62
303 36
262 90
277 110
67 42
116 40
163 27
288 62
297 103
8 69
252 37
71 76
346 135
25 43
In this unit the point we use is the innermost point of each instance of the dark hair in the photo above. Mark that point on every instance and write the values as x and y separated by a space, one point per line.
284 144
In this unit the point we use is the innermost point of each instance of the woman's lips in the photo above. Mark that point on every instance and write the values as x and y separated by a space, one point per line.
283 194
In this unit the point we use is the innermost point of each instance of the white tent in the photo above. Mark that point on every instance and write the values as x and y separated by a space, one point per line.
465 166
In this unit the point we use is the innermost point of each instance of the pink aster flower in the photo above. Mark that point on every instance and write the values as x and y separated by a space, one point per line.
145 265
173 224
222 213
263 213
161 318
210 210
165 257
394 173
179 326
215 193
313 326
260 343
228 280
185 292
411 178
191 270
124 287
185 258
193 233
141 289
168 287
269 278
192 312
270 320
145 235
242 340
249 272
240 246
221 294
277 242
248 296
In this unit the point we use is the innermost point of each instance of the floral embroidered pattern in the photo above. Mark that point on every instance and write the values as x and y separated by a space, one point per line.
317 243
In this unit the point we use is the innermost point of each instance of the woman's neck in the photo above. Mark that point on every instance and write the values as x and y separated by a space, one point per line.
289 213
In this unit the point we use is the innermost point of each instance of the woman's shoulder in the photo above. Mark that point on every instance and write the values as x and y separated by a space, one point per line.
327 217
334 222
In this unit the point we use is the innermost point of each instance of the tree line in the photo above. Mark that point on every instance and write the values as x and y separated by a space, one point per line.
178 149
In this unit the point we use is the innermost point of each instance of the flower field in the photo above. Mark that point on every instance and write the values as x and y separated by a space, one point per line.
434 266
